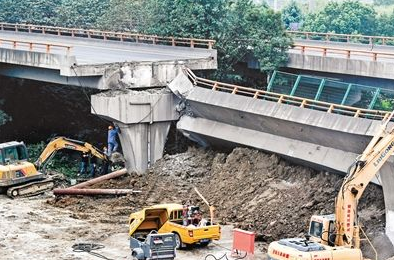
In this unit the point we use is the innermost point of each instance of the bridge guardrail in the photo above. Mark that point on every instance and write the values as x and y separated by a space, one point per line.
374 55
347 38
287 99
109 35
31 45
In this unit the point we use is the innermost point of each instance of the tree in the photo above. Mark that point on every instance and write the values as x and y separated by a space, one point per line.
4 118
349 17
29 11
291 14
239 27
383 2
385 24
251 29
123 15
80 13
186 18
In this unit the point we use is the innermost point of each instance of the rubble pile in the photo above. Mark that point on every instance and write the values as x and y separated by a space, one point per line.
250 189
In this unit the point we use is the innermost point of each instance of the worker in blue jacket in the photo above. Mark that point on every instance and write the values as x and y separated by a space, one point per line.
112 142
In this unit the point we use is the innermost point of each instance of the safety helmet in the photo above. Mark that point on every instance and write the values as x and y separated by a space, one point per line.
110 127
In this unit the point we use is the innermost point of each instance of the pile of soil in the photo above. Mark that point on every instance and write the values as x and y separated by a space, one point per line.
250 189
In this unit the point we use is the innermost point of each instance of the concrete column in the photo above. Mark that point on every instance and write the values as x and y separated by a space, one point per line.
144 118
387 182
143 144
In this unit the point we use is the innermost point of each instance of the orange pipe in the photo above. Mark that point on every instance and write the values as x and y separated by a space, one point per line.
94 191
99 179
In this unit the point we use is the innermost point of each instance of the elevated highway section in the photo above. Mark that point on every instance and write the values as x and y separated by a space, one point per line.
98 59
351 56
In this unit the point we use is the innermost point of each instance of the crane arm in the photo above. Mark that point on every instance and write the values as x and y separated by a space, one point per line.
366 167
65 143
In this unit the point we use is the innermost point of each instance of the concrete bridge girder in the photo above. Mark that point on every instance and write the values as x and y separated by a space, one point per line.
318 139
359 67
63 70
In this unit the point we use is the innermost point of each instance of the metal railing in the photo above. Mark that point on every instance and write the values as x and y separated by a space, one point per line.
347 38
32 46
331 91
287 99
346 52
109 35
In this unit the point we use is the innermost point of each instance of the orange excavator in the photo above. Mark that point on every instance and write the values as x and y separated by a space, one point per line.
337 237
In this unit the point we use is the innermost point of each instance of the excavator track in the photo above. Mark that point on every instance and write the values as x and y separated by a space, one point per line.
30 189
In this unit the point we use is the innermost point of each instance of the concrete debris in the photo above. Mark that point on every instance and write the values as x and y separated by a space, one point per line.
250 189
114 93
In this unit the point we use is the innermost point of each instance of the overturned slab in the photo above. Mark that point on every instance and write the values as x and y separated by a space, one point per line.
314 138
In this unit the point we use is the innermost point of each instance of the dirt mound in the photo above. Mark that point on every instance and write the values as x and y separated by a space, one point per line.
250 189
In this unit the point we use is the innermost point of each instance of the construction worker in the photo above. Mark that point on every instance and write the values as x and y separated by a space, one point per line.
93 166
84 163
112 143
106 162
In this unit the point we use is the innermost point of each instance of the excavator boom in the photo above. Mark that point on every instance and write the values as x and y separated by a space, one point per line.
60 143
365 168
346 242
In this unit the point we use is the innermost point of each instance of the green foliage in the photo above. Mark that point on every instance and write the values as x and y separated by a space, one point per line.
81 13
266 34
186 18
123 16
383 2
349 17
29 11
61 162
386 24
384 102
4 118
240 28
291 14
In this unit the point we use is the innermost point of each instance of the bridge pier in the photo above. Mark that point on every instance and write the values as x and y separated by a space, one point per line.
144 118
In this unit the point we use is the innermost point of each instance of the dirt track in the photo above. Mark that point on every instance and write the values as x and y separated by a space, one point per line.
32 229
250 189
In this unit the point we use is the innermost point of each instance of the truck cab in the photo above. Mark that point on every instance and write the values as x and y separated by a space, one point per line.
169 218
317 244
12 152
14 167
322 229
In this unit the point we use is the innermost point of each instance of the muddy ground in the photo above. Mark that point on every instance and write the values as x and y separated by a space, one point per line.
33 229
250 190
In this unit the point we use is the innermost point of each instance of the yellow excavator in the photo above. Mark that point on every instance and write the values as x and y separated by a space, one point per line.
337 236
20 178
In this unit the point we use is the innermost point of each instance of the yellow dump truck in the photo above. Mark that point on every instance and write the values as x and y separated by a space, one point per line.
168 218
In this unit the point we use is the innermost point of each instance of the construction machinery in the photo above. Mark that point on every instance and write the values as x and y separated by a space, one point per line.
20 178
155 246
60 143
337 237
